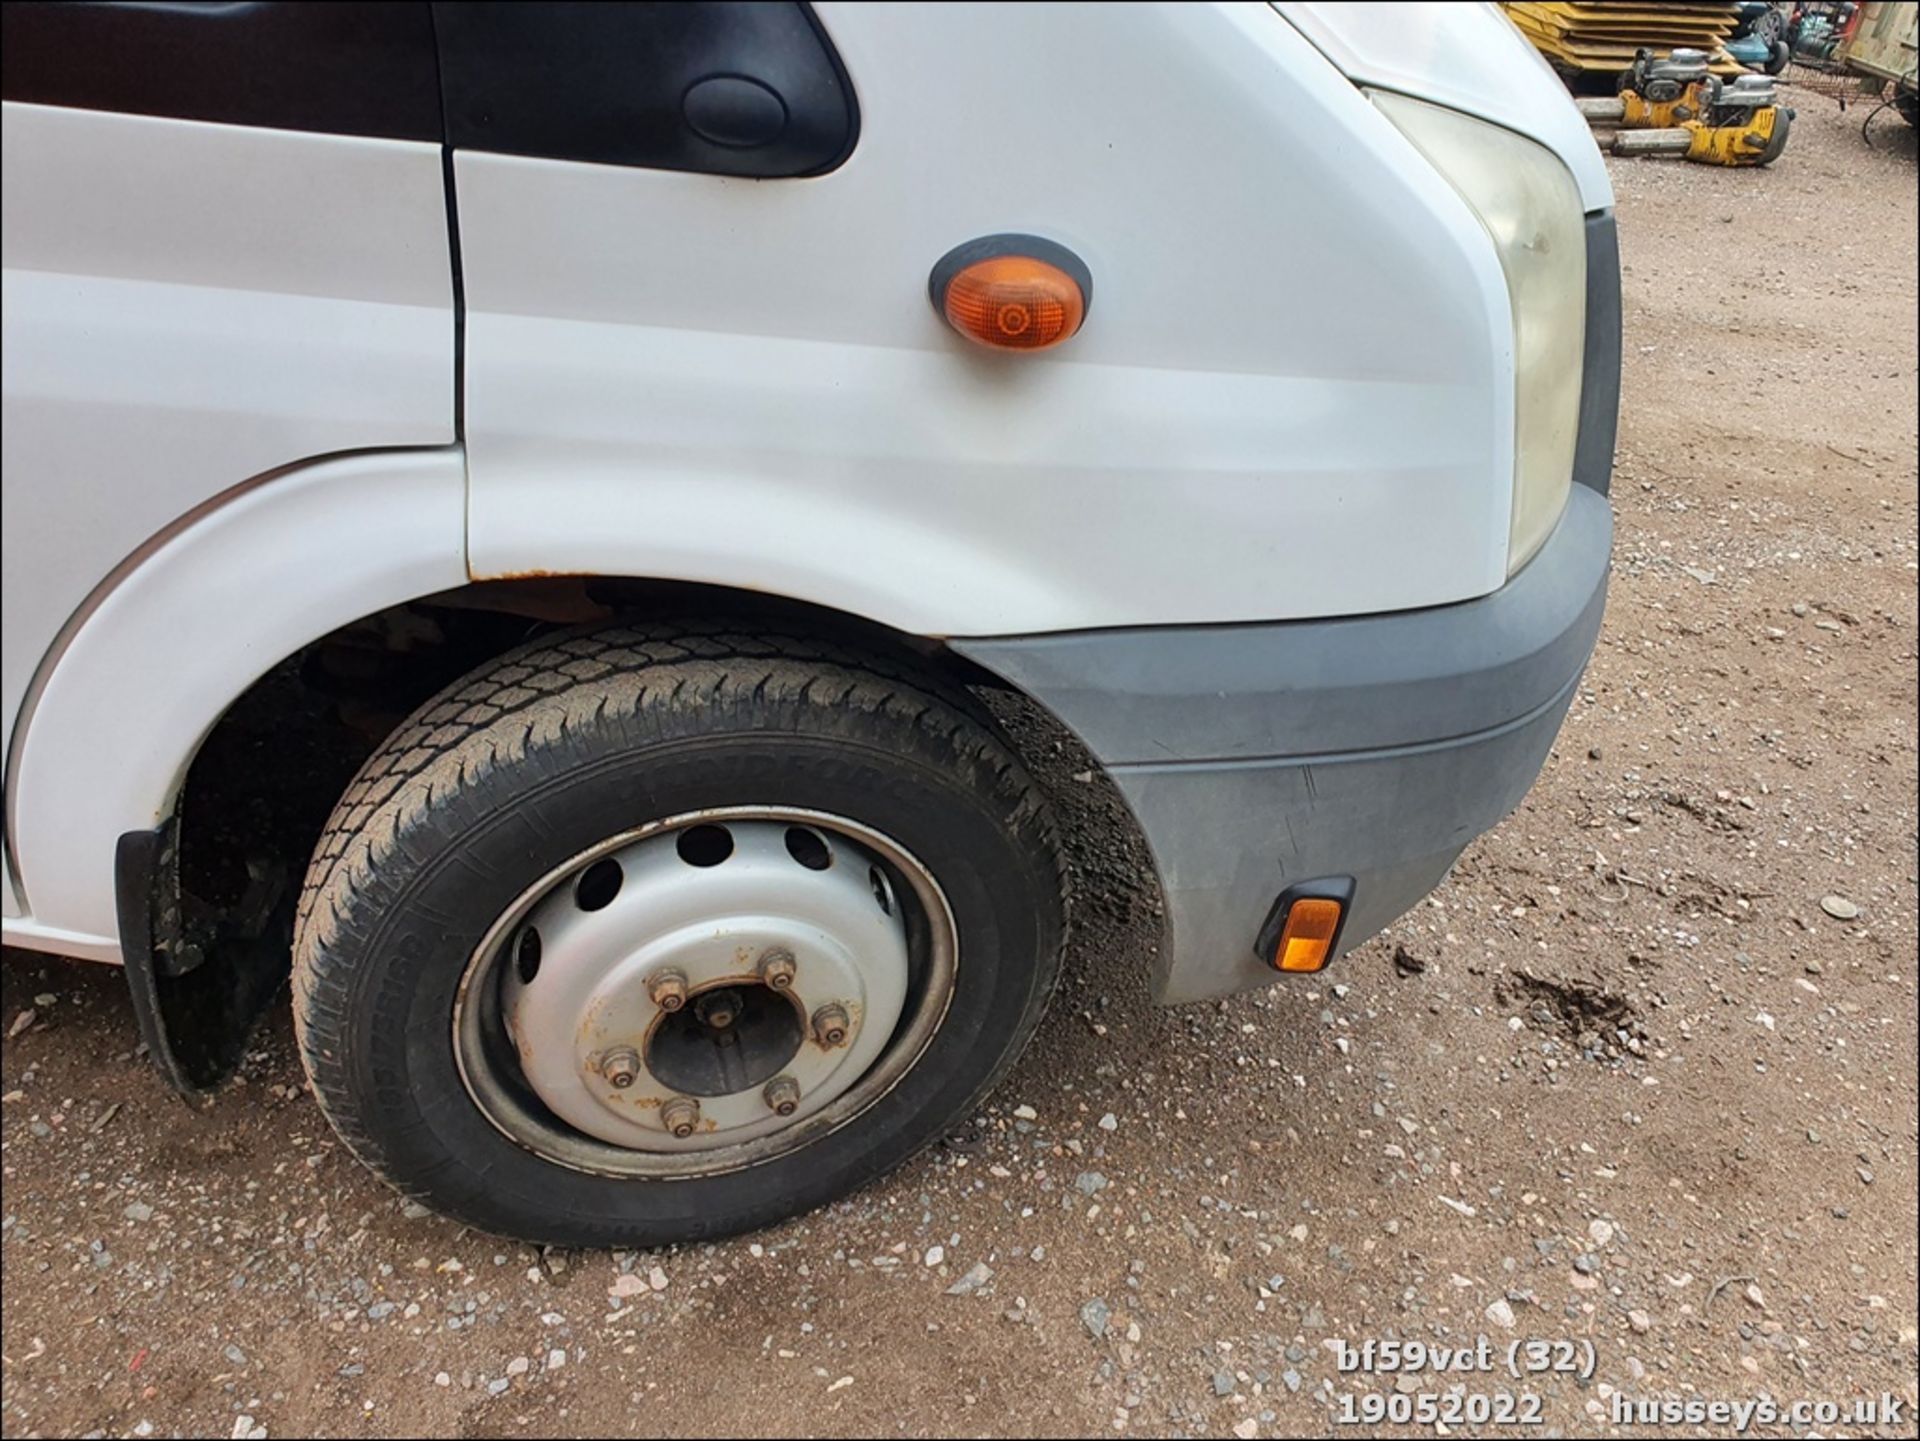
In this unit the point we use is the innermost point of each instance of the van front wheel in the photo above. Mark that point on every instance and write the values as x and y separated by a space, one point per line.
639 937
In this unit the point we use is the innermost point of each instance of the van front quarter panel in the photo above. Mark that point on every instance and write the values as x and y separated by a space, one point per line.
1291 395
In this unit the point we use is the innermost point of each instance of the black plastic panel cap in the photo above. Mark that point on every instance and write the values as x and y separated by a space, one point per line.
734 111
743 87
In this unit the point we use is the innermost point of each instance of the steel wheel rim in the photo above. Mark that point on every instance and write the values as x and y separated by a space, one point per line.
499 1087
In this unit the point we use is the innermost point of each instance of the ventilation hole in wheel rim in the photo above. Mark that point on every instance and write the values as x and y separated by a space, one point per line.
705 845
809 848
526 955
598 885
882 892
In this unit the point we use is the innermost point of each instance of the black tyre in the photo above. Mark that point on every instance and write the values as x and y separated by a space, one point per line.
639 937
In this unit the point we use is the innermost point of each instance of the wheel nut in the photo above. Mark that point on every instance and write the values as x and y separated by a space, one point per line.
621 1066
777 968
668 990
830 1024
782 1095
680 1116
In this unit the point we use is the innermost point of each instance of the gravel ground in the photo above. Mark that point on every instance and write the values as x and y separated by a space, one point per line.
1641 1074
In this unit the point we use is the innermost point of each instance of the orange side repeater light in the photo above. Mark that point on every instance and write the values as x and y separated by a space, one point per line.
1012 292
1307 939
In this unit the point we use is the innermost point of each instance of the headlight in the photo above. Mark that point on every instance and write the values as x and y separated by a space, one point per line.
1527 200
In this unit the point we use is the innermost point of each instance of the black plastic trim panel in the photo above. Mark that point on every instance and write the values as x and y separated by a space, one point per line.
723 87
1600 372
750 88
341 67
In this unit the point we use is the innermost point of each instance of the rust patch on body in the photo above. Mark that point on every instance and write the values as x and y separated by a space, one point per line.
536 573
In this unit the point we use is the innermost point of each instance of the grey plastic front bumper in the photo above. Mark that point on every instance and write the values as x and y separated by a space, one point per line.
1259 756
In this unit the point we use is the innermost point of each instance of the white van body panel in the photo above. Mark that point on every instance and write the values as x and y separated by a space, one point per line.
31 935
1466 56
177 636
1292 399
186 306
742 382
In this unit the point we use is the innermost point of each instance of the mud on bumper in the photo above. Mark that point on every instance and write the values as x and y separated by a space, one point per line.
1259 756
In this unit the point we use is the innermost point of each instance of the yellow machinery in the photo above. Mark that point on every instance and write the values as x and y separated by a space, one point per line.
1603 36
1755 141
1670 68
1674 106
1659 94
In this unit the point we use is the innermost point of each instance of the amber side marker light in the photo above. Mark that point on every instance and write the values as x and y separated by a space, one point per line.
1012 292
1304 926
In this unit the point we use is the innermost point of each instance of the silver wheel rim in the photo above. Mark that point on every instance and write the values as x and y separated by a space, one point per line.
705 992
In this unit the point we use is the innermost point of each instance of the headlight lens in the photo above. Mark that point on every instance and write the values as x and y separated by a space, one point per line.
1528 202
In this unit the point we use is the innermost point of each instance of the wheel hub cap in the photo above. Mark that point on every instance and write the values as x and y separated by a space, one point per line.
708 986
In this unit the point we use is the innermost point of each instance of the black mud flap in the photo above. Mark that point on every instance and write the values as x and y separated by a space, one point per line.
196 1001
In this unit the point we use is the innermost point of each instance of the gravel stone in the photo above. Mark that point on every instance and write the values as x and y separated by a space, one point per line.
977 1275
1094 1315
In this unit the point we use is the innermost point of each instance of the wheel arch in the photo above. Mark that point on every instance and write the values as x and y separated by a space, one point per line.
174 651
125 698
170 762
